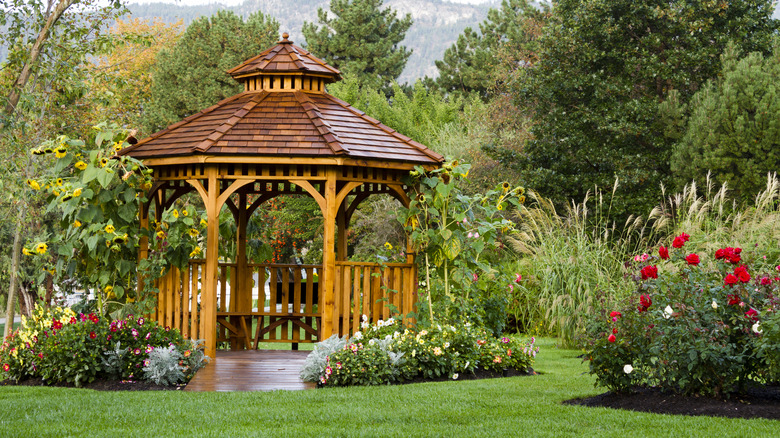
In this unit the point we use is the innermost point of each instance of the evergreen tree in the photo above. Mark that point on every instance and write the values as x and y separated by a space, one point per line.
734 128
604 67
362 41
192 75
470 64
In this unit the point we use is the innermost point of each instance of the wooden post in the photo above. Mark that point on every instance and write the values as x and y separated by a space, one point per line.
143 243
341 220
242 295
209 295
327 299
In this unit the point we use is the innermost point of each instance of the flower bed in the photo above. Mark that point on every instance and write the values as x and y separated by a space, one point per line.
693 328
390 353
59 346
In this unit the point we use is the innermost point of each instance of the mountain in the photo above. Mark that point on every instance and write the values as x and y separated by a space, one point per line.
437 23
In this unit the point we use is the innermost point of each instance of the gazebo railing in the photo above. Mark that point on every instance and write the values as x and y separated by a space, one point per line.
280 302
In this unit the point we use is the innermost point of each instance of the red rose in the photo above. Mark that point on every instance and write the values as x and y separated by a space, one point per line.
685 237
663 252
614 331
730 280
766 281
649 272
645 301
678 242
752 314
719 254
733 299
612 338
692 259
742 273
615 314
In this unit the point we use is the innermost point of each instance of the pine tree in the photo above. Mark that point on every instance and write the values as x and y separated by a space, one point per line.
734 128
470 64
362 41
192 75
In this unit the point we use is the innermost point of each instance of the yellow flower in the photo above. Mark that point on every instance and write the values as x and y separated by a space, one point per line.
161 234
195 252
60 152
117 146
388 246
175 213
500 207
33 184
203 223
110 228
59 182
521 199
193 232
26 251
76 224
80 165
56 193
185 213
505 186
103 162
109 290
41 248
77 192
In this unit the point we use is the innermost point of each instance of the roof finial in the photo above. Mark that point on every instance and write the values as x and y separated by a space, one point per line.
284 39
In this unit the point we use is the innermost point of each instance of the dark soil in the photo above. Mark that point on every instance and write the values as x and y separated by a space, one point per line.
99 385
757 402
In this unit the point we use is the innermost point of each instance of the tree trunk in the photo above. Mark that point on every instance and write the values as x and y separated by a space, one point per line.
35 52
17 249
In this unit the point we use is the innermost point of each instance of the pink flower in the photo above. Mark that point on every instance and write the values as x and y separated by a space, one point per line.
615 314
137 351
518 278
505 340
6 367
475 276
497 359
692 259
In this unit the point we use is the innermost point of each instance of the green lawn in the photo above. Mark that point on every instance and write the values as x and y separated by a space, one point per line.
512 407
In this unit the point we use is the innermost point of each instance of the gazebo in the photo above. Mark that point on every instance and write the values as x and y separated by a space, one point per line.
283 135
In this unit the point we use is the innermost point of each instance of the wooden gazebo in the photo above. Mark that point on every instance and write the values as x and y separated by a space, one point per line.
284 135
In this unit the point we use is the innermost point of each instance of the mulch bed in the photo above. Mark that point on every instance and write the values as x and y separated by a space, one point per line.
99 385
757 402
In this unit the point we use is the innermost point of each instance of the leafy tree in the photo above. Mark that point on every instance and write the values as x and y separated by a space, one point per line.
121 80
192 75
604 68
733 129
362 40
469 64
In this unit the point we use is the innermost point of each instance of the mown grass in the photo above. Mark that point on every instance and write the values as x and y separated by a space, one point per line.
520 406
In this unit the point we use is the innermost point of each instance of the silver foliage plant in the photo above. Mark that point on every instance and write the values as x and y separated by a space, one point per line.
316 361
163 367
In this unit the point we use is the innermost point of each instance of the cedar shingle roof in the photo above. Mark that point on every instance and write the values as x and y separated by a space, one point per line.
283 58
283 122
294 123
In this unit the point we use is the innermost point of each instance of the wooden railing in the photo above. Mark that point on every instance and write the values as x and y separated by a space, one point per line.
280 303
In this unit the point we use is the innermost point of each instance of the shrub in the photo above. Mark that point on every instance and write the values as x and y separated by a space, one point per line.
691 328
388 352
164 366
60 346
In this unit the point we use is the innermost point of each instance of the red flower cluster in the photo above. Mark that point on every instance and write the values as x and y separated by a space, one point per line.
752 314
729 254
56 324
680 240
734 299
692 259
92 335
740 274
649 272
644 303
663 252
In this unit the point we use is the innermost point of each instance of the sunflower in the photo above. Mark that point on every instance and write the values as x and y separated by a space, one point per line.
33 184
77 192
103 162
26 251
110 229
41 248
193 232
505 186
80 165
76 224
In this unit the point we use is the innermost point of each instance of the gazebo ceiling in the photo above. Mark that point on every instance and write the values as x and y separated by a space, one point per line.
284 111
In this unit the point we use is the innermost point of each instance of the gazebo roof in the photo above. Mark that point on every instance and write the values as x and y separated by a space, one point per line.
284 111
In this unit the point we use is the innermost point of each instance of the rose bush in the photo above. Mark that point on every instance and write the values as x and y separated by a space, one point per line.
59 345
691 328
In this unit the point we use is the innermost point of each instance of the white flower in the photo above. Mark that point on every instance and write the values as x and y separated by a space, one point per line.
467 365
757 328
628 368
364 318
364 325
390 321
455 376
714 304
380 323
446 345
396 335
371 342
668 312
358 336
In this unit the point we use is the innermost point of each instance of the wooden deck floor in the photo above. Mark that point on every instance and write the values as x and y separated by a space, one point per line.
252 370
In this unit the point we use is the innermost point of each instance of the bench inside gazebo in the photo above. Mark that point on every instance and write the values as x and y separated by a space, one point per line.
283 135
